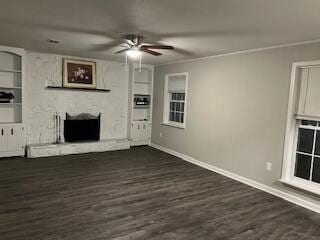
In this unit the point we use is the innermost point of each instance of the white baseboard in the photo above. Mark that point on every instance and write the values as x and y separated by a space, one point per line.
276 192
139 143
12 154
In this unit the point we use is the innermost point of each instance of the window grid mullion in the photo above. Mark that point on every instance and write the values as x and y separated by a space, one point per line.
309 127
308 154
313 151
176 111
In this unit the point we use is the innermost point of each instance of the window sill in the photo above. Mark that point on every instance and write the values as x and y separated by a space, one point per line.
181 126
302 184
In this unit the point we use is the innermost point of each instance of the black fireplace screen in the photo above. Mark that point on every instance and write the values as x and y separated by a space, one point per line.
82 127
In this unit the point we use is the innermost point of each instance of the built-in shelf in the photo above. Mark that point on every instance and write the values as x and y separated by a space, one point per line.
10 88
142 106
10 104
10 122
141 120
12 71
139 94
142 82
78 89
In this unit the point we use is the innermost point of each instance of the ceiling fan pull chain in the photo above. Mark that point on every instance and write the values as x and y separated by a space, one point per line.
126 66
140 63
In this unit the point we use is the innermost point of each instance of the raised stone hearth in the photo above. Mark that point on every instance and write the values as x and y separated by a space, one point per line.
46 150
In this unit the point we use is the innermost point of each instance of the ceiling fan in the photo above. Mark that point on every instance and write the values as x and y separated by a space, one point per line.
135 46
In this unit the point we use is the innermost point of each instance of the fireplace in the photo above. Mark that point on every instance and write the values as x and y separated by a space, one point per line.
82 127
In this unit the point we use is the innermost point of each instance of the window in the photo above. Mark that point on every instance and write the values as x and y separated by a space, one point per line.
307 158
301 160
175 99
176 102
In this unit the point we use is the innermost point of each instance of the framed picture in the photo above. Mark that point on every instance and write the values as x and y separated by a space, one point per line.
79 74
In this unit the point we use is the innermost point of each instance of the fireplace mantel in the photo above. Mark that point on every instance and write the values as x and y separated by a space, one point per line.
78 89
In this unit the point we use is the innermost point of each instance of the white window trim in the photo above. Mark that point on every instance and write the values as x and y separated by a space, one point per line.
165 120
290 143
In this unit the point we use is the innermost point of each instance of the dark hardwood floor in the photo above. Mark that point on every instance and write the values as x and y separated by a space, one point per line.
140 193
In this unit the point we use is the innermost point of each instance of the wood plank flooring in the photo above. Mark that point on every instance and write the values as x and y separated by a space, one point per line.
140 193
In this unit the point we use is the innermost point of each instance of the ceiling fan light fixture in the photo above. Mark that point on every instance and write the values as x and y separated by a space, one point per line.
133 53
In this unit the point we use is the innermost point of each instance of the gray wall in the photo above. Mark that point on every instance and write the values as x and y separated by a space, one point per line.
236 112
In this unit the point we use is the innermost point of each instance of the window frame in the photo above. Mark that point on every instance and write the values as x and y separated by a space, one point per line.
166 101
291 136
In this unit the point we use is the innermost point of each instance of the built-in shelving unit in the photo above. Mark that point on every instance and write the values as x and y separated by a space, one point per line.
11 110
140 105
140 82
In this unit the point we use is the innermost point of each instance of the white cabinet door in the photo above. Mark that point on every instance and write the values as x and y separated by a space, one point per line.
3 139
136 131
15 138
148 131
140 131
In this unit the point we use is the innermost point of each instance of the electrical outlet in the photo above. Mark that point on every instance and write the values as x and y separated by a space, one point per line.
160 134
269 166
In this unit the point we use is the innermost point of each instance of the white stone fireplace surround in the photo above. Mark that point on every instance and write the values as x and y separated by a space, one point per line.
44 70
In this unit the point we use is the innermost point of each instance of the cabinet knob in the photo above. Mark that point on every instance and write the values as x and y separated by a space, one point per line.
138 126
11 131
2 132
144 126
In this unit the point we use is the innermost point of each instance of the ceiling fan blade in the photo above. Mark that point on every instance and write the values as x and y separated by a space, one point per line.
154 53
130 42
107 46
122 50
157 47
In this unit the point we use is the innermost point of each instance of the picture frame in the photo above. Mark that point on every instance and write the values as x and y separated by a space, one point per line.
79 74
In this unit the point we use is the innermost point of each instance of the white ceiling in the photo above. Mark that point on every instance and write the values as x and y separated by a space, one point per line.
196 28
